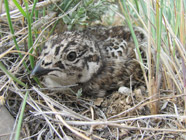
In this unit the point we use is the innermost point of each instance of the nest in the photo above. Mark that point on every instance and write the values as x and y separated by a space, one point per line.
49 114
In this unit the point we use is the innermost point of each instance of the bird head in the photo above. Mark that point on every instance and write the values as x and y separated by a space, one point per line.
68 58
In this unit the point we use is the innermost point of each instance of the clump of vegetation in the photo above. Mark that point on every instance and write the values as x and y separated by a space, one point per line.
25 28
86 12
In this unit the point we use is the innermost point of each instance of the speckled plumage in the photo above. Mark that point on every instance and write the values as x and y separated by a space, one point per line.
98 59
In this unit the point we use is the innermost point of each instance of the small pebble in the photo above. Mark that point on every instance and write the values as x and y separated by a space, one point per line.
124 90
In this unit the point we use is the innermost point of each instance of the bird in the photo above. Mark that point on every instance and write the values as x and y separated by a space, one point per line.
98 59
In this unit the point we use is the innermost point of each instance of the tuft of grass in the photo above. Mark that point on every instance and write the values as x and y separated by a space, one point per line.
165 29
18 130
30 40
12 31
29 18
124 10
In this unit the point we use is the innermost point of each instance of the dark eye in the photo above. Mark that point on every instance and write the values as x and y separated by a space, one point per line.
71 56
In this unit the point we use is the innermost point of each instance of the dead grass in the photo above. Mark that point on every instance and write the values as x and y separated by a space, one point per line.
153 113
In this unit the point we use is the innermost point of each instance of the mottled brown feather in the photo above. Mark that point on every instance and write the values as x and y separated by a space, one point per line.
104 59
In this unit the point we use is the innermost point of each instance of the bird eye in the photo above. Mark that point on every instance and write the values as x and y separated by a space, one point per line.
71 56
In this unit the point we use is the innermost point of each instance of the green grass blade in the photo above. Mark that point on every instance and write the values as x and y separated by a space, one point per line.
19 8
10 24
30 40
12 31
2 67
137 5
131 29
18 130
33 10
124 10
44 11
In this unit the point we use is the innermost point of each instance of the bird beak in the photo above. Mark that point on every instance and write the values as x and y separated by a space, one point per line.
39 71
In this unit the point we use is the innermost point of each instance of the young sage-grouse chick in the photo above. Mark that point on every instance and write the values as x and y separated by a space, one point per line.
99 59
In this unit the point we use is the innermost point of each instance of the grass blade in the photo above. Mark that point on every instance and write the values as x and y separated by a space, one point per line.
30 40
12 31
18 130
20 8
33 10
158 33
2 67
137 5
